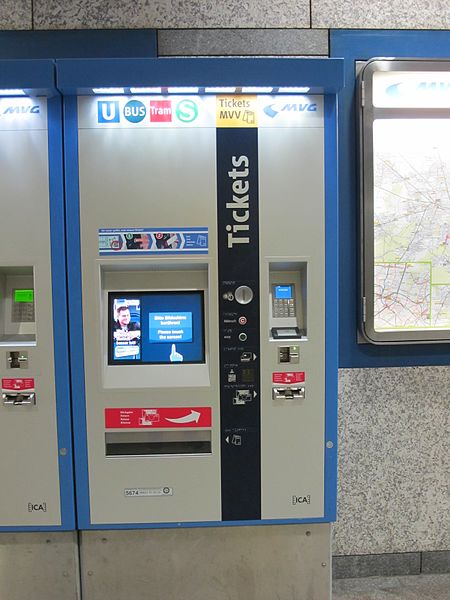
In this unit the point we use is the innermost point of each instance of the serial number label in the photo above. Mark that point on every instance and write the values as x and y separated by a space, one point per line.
156 491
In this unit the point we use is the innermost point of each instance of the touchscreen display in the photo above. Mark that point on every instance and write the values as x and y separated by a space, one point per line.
156 328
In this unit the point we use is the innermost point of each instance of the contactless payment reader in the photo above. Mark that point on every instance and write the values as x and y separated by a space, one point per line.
35 428
203 239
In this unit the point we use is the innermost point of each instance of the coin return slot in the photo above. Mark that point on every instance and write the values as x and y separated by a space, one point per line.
152 443
18 398
17 360
288 393
288 354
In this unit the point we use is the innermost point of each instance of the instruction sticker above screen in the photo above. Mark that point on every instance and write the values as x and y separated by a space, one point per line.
150 241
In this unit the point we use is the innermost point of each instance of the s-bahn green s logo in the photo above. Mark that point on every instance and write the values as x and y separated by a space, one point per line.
186 111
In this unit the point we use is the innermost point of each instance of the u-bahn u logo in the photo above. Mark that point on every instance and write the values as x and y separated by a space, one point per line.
108 111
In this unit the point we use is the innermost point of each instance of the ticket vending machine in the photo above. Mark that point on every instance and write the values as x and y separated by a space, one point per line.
202 221
36 477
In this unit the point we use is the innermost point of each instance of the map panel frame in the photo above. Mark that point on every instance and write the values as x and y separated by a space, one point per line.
403 251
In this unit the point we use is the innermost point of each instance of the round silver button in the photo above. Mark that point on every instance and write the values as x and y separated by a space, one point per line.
243 337
243 294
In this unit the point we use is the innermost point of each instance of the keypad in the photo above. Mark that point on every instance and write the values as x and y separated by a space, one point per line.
283 307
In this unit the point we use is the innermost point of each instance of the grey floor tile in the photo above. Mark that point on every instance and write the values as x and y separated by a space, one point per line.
436 562
404 563
415 587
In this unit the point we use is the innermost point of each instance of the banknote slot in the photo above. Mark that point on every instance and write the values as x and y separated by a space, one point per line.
154 443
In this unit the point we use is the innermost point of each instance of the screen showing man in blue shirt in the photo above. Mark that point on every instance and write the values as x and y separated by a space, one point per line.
172 325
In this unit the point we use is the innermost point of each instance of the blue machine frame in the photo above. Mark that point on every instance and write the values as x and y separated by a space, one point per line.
356 46
37 78
79 77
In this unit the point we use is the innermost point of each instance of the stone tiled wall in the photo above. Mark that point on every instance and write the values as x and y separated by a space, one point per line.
16 14
168 14
380 14
394 460
240 42
394 465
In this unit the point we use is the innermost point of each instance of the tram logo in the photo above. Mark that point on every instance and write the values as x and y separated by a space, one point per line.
160 111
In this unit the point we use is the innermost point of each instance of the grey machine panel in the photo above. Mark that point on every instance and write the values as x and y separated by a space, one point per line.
293 251
29 471
138 176
147 178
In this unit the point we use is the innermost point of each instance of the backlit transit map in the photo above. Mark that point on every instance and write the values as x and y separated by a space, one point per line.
411 224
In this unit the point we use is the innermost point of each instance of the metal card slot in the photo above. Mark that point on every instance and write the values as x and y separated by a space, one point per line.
288 393
18 398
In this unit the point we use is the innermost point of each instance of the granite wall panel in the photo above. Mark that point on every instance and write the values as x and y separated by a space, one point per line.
165 14
380 14
243 42
394 461
15 14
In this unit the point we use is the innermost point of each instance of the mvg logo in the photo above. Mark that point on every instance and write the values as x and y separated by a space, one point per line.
403 88
108 111
298 107
21 110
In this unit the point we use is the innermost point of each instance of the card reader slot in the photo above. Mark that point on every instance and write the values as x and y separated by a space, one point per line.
154 443
288 393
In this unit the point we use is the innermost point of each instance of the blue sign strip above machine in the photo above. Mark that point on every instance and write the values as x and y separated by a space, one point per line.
148 242
102 43
34 77
79 77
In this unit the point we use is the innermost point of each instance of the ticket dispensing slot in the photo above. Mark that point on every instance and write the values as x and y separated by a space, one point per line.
157 443
287 304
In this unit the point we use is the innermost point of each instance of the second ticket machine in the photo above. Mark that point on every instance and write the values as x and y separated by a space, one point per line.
36 475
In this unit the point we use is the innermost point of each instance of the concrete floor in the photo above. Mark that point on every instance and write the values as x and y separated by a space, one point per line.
412 587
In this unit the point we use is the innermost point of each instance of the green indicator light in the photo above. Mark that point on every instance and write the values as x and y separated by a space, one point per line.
23 295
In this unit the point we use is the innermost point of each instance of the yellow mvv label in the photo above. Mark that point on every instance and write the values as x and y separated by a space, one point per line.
236 111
